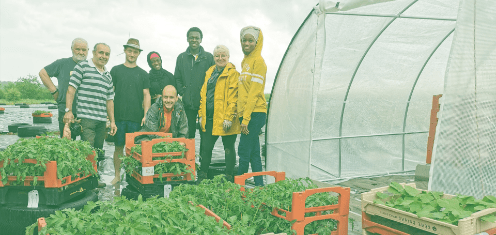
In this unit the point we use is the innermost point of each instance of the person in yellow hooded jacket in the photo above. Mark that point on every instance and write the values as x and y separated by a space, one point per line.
218 112
252 107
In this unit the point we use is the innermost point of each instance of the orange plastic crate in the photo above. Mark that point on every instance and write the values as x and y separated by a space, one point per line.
146 156
43 115
50 175
167 176
340 210
130 138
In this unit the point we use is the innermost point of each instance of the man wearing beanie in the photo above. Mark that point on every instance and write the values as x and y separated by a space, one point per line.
191 66
159 77
132 99
252 107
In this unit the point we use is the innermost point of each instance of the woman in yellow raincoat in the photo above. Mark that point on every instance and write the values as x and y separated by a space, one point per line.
252 107
218 112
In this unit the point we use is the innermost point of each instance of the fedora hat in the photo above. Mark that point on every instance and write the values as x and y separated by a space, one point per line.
134 43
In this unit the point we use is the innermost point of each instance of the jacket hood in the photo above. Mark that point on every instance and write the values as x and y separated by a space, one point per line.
258 48
148 58
228 67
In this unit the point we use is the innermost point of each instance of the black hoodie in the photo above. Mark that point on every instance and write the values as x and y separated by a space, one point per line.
159 78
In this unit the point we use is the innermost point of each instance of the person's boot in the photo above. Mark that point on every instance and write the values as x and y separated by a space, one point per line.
201 176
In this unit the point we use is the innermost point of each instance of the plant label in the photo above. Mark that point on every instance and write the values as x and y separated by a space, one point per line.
33 199
167 190
148 171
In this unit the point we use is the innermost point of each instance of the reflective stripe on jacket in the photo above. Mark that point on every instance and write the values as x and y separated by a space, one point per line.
251 96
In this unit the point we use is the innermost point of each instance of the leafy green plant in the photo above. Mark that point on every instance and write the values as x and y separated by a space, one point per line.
162 147
122 216
433 205
250 213
131 164
39 112
70 156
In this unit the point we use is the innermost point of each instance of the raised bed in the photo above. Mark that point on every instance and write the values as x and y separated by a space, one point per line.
382 219
50 176
146 158
42 117
299 212
14 126
31 131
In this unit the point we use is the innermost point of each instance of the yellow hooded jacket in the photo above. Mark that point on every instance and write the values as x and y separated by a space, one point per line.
225 98
251 96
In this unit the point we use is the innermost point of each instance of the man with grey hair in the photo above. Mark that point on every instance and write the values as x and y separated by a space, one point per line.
93 84
62 69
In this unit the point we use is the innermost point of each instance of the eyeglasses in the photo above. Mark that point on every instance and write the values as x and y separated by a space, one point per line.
220 56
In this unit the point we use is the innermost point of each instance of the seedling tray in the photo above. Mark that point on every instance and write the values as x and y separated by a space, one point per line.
146 156
131 136
340 210
155 189
470 225
49 178
18 195
169 177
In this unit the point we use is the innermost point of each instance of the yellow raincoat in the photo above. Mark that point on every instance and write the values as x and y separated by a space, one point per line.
251 96
225 98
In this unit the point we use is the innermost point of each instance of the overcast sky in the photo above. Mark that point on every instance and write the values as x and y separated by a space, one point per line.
34 33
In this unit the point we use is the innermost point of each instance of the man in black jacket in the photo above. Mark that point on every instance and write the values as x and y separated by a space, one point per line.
191 66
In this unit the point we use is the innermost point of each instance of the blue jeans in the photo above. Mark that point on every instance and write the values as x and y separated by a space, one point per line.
249 147
124 127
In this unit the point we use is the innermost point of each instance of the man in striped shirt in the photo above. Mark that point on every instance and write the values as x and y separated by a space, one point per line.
95 91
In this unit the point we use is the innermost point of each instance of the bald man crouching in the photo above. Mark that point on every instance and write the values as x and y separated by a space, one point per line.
167 115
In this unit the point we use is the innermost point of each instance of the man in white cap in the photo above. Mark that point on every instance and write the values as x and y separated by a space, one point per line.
132 99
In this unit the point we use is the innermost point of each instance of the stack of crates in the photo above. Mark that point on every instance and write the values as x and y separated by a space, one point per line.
50 189
148 183
299 213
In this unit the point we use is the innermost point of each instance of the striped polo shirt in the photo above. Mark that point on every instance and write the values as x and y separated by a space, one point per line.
93 89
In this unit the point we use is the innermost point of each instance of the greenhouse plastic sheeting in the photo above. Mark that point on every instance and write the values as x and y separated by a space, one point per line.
464 156
353 94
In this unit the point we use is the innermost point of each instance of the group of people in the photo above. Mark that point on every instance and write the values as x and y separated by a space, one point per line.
204 87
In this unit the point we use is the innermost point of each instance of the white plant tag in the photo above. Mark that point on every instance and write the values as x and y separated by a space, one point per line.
147 171
167 190
33 199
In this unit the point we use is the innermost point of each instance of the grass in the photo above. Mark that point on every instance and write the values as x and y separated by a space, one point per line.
27 101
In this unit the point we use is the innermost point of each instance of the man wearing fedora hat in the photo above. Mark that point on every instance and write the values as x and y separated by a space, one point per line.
132 99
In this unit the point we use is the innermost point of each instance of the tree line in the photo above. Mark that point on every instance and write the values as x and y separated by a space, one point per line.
29 87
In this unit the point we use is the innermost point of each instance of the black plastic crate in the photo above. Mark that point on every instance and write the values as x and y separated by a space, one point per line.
18 195
135 188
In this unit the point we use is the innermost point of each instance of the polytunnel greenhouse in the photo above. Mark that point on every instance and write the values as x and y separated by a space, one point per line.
353 93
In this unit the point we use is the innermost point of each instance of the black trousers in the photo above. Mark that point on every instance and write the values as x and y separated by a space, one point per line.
191 114
208 142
